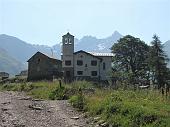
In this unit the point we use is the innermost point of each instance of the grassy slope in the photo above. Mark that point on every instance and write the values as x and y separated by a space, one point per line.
117 107
129 108
9 64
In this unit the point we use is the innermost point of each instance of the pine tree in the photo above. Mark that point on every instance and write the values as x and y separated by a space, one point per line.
158 63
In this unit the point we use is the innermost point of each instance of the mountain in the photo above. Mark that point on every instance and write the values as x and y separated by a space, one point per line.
14 53
92 44
19 49
9 64
50 51
167 49
17 52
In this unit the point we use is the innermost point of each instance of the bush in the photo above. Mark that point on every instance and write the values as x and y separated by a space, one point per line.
77 101
59 93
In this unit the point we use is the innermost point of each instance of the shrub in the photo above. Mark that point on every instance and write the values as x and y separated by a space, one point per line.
59 93
77 101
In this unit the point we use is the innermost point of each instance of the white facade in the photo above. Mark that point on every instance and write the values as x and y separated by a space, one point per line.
86 68
105 67
84 65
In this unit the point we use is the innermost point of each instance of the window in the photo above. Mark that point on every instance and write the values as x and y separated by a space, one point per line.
94 73
68 62
104 66
38 60
66 40
79 62
69 41
94 63
79 72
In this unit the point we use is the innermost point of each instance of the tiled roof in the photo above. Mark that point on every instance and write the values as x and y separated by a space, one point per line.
87 53
38 53
101 54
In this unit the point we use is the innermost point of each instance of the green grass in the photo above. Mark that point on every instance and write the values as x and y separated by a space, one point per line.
40 90
120 108
130 109
47 90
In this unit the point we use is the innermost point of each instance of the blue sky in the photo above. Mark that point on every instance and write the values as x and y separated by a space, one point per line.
45 21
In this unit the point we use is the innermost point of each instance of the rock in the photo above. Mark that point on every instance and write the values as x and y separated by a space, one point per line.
96 118
4 109
97 125
101 122
37 100
75 118
3 120
4 103
104 124
25 98
35 108
49 111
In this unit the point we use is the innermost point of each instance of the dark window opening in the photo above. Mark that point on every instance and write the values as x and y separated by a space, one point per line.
79 72
39 60
68 62
86 65
66 40
94 73
79 62
104 66
69 41
94 63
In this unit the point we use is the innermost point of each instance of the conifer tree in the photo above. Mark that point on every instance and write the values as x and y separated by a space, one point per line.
158 63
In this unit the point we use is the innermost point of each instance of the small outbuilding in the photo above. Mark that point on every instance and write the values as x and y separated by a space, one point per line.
43 67
4 75
22 74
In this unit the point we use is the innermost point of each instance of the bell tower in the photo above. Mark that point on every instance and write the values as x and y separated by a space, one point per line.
67 57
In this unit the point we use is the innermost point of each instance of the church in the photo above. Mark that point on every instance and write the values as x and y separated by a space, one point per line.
82 65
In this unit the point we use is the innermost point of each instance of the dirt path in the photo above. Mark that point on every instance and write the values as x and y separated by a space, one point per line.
18 110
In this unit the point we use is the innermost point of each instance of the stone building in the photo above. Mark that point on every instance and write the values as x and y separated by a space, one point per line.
43 67
82 65
4 75
22 74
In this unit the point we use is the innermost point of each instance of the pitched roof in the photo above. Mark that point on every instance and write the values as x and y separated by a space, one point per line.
43 55
3 74
81 51
102 54
68 34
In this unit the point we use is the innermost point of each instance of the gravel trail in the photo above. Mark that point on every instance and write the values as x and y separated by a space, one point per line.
19 110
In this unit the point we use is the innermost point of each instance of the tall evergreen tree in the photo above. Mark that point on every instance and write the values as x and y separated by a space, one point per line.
158 63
